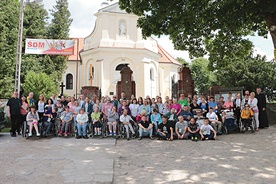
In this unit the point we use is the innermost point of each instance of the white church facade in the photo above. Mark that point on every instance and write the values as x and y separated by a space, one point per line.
115 42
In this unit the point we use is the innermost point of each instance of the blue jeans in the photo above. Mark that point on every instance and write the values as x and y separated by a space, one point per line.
143 132
81 129
161 136
48 126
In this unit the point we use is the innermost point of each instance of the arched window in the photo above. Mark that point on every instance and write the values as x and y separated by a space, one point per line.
151 74
69 81
121 66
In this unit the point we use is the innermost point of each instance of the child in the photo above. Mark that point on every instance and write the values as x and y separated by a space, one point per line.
32 120
207 132
193 130
96 121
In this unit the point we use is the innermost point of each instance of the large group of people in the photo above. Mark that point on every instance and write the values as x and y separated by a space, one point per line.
188 117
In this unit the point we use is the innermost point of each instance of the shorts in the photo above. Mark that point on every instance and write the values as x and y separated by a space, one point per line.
97 124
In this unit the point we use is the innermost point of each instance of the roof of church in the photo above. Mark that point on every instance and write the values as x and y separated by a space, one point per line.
78 46
166 57
113 8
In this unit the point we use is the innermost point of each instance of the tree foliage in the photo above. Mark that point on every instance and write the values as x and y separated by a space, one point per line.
202 76
209 27
252 72
9 11
182 61
39 83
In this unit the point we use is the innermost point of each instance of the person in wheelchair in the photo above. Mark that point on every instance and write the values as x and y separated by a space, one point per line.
49 120
81 120
66 119
125 119
32 120
95 116
246 116
112 118
145 128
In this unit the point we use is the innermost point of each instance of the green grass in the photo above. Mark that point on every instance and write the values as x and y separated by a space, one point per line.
6 130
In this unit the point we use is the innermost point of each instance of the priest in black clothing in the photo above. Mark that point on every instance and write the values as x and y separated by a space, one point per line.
262 108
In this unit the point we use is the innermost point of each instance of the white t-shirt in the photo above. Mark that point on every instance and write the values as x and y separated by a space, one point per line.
134 108
40 107
206 129
211 116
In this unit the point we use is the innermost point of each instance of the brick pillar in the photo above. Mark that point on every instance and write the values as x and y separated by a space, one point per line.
185 82
92 92
126 84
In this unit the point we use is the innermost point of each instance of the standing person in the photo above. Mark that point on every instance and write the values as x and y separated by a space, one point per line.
115 102
160 104
182 100
30 99
176 106
123 96
81 100
50 104
13 111
145 107
229 105
41 106
88 108
262 108
54 99
64 102
123 107
76 110
204 106
32 120
134 108
253 103
220 103
23 112
153 105
237 107
246 99
106 107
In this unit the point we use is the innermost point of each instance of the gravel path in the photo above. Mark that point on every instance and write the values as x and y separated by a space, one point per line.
233 158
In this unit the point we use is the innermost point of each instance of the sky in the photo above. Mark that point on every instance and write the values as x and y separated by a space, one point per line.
82 12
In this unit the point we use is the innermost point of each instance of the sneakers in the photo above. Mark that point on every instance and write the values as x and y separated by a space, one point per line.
59 134
192 138
196 139
133 135
114 134
85 137
96 133
38 134
151 137
65 134
78 137
128 139
110 133
30 134
140 138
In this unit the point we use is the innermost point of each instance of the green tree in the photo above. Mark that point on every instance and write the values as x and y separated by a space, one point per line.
182 61
9 11
35 26
250 73
39 83
58 29
202 76
217 28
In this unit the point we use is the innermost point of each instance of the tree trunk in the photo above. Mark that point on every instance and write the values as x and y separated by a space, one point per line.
271 24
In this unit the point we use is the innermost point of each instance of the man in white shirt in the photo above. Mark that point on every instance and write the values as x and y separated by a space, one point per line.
125 119
213 118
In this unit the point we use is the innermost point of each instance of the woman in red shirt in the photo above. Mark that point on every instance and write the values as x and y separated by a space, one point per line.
23 111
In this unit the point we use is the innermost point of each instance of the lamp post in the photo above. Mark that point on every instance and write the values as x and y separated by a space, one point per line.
19 46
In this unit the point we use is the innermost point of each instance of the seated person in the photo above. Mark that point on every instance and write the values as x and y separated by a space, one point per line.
125 119
172 118
246 115
194 106
165 131
193 130
187 115
32 119
199 118
181 128
207 132
66 118
229 105
145 128
213 118
81 120
95 117
112 118
155 118
49 119
139 116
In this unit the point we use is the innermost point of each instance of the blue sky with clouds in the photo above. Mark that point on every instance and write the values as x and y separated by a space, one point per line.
82 12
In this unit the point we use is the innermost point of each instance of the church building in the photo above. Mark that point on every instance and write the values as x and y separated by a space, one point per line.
115 58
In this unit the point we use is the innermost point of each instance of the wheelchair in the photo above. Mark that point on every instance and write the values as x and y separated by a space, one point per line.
251 125
103 128
123 132
25 130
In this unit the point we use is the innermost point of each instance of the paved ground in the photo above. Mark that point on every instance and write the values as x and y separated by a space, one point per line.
235 158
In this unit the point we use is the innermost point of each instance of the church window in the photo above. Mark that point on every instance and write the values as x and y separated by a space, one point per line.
151 74
69 81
